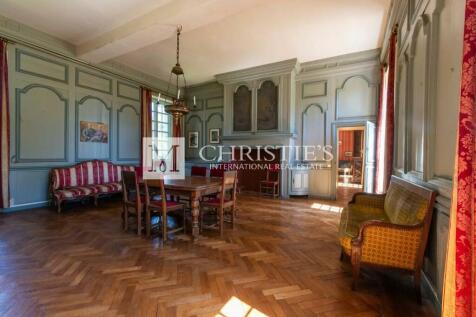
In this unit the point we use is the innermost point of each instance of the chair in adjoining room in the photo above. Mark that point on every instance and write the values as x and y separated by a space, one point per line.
270 186
131 199
161 208
222 203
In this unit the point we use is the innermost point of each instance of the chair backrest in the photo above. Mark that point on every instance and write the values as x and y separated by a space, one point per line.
130 187
407 203
199 171
272 174
162 194
215 172
228 184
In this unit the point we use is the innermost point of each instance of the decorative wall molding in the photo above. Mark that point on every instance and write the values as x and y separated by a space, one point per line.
214 102
342 62
20 69
18 122
254 73
79 103
118 143
100 77
372 103
308 89
120 95
303 128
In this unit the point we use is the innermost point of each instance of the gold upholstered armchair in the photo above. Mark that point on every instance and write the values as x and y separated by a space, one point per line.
388 230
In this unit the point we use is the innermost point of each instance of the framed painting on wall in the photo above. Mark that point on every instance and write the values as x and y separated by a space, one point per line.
268 106
242 109
97 132
193 140
214 136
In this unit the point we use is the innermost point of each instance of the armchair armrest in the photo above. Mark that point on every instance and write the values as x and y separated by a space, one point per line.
389 244
374 200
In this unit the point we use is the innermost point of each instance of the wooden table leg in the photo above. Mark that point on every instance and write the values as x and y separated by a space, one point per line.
195 206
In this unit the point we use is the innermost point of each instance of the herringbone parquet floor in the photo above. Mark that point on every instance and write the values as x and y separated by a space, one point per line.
282 259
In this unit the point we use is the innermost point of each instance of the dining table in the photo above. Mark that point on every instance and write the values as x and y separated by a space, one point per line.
194 187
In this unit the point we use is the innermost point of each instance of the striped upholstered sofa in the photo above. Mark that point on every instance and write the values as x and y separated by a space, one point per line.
388 230
84 180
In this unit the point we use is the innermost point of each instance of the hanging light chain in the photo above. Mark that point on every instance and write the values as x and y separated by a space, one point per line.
179 30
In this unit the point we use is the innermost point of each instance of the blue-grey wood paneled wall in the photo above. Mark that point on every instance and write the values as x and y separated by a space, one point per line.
49 97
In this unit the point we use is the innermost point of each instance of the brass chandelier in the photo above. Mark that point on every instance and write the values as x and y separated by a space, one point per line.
178 107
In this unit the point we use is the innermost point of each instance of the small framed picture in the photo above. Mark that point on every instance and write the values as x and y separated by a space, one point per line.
214 136
193 140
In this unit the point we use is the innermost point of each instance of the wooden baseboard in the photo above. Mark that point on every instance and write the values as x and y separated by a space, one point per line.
430 292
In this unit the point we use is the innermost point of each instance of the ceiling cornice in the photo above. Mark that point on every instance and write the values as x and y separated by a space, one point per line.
267 70
22 34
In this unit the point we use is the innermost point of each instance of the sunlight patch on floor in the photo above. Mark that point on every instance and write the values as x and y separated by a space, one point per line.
237 308
349 185
325 207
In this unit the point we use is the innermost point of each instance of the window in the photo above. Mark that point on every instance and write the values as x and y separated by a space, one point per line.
161 126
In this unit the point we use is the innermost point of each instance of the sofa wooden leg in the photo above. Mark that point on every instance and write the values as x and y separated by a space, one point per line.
341 258
58 206
147 222
233 217
126 218
417 285
139 222
164 226
221 214
355 260
96 200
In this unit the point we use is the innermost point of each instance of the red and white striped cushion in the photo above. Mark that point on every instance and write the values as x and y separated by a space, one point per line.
108 188
75 192
88 173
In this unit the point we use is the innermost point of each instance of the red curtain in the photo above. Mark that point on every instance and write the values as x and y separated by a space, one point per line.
385 121
4 128
459 294
146 116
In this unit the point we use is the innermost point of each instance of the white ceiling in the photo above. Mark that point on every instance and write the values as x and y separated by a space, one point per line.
218 35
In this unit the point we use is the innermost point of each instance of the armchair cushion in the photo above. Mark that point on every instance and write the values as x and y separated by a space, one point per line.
352 218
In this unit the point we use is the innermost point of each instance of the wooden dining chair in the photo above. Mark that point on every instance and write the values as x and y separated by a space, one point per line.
270 186
215 172
161 207
199 171
221 204
131 199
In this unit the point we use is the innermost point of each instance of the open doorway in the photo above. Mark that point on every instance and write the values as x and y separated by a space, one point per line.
350 161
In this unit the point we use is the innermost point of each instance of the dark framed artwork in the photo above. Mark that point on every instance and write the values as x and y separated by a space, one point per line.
242 109
214 136
268 106
193 140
